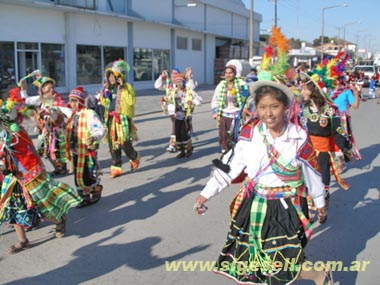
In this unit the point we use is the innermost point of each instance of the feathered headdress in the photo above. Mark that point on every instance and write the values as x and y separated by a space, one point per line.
281 42
331 69
120 68
328 73
274 65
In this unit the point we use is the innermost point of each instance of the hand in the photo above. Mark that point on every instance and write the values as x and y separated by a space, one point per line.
189 73
119 81
199 206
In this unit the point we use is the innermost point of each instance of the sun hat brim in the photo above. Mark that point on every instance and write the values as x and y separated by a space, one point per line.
258 84
306 77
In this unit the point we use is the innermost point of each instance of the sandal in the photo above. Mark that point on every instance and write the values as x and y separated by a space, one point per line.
60 228
20 246
86 201
96 194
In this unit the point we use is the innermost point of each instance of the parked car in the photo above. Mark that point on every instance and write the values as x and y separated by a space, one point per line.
368 70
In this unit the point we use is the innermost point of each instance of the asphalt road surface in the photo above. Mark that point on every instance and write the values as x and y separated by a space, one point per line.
145 219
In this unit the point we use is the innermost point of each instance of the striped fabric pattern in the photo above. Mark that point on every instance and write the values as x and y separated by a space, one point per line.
51 197
81 147
119 131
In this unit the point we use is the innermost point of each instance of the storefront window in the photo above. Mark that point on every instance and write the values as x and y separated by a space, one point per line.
89 70
142 64
111 54
7 65
161 61
53 62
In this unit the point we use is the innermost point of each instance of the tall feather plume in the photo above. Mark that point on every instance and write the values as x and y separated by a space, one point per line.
267 58
282 47
279 40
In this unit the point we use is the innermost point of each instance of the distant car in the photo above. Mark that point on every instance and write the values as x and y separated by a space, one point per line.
368 70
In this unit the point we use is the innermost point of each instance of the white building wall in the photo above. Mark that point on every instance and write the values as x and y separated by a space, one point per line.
210 56
219 21
47 23
101 30
148 35
23 24
191 16
158 11
190 58
240 27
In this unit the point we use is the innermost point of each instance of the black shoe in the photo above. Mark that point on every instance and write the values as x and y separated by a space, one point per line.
85 202
181 154
189 152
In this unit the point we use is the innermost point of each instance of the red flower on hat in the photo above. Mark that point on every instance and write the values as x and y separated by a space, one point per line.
321 84
14 95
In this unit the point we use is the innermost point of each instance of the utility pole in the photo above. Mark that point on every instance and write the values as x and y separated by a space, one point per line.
275 12
251 21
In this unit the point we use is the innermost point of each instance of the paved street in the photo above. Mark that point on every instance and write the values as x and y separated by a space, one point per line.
145 219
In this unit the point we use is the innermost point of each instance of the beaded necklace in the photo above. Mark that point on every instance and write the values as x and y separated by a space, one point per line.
235 91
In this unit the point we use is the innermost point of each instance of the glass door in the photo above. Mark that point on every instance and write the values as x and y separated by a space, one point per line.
27 61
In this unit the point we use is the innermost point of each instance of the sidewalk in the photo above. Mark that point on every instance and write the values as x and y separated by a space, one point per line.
148 100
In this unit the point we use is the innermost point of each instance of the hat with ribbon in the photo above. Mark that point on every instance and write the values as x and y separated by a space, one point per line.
79 93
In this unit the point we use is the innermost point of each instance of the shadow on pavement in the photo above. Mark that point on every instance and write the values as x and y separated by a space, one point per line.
95 260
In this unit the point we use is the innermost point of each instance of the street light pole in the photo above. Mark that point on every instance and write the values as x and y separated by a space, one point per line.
251 20
344 32
323 24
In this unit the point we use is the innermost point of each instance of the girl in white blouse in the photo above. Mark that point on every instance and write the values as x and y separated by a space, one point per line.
269 216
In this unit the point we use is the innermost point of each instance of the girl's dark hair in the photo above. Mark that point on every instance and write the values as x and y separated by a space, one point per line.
315 96
277 93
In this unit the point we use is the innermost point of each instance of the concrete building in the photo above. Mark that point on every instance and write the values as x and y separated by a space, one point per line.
74 40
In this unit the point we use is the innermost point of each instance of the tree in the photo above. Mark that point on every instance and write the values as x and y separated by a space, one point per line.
295 43
318 41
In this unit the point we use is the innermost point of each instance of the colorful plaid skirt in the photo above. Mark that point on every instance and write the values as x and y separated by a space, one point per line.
265 241
51 197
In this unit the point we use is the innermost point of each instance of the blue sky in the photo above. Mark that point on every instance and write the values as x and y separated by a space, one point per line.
303 19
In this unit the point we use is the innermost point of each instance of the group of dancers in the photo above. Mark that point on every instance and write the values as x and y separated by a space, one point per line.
282 152
69 134
281 137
